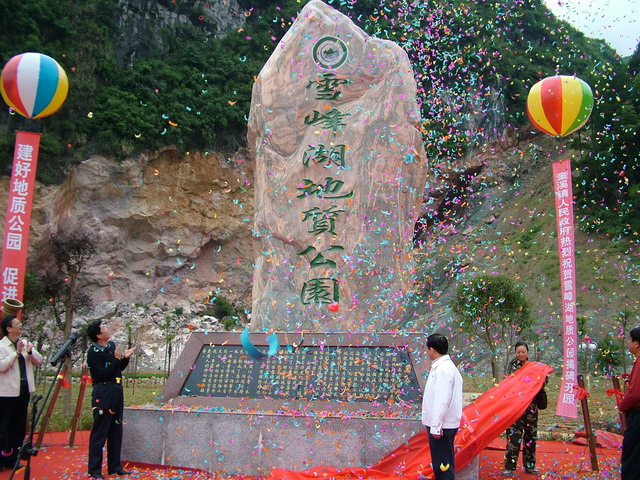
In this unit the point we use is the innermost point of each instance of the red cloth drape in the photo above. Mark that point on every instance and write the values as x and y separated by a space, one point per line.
482 421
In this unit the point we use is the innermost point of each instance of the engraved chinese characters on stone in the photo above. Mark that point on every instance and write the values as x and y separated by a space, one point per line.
340 172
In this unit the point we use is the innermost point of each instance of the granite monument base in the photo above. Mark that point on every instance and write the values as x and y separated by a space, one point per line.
254 443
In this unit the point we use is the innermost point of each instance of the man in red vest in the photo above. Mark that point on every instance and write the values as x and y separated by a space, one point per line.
630 406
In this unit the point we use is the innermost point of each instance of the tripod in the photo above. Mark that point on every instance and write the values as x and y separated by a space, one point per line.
27 450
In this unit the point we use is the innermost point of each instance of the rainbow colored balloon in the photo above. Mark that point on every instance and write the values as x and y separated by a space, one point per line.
559 105
34 85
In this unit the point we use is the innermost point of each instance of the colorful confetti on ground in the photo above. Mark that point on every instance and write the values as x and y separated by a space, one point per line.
556 460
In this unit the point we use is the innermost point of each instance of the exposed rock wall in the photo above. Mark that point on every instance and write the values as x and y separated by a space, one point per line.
168 228
142 23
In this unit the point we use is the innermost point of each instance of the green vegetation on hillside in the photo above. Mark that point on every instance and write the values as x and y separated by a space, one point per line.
609 171
474 62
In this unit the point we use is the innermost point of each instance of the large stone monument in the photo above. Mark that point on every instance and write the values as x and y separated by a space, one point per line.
340 173
339 399
323 399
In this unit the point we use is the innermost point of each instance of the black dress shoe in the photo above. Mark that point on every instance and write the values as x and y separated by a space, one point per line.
95 475
122 471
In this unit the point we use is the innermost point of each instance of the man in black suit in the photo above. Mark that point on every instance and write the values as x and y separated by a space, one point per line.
106 362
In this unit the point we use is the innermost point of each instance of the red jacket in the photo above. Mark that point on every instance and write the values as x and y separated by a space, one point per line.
632 397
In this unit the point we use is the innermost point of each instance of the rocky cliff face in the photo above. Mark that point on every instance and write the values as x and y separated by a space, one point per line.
142 23
169 228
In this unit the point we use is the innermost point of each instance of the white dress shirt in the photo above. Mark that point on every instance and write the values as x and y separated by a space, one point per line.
442 400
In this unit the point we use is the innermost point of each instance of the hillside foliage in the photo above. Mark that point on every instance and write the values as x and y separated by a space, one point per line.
474 62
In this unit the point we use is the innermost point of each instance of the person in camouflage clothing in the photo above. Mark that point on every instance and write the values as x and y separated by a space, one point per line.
525 430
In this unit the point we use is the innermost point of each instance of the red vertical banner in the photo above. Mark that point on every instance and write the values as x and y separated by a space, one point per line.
18 220
567 406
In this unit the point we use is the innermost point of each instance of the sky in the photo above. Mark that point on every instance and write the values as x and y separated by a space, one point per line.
616 21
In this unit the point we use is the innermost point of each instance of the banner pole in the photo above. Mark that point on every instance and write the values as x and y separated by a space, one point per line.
587 425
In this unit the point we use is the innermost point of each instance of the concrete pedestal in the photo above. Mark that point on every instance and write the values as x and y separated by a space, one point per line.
253 444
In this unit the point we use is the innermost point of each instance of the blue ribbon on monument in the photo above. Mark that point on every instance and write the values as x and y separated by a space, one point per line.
253 351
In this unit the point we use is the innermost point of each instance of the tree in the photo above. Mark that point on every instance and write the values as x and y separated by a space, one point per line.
623 318
35 301
169 325
70 252
493 309
609 355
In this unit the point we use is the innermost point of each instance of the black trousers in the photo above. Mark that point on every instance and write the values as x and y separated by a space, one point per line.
107 402
442 454
630 460
13 424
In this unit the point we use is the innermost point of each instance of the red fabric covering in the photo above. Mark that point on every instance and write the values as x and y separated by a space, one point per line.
568 461
603 439
482 421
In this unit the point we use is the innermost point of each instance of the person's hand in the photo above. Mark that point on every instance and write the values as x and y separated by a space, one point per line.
436 436
128 352
20 346
117 353
29 348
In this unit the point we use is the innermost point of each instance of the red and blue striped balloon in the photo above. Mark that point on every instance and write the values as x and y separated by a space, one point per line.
559 105
34 85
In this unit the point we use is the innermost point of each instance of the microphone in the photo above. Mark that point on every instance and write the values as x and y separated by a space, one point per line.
64 349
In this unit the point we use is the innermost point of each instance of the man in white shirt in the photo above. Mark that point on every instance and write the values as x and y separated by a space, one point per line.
442 407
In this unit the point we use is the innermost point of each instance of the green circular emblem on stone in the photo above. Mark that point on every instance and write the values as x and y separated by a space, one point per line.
330 52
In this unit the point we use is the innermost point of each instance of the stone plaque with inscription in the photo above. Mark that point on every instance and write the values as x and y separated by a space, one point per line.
361 370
